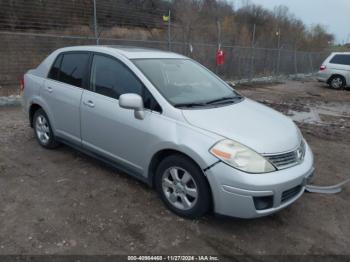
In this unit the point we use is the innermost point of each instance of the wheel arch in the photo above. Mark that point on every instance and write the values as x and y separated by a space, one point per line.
162 154
32 109
36 104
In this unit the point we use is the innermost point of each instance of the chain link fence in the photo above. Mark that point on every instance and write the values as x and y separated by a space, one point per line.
30 30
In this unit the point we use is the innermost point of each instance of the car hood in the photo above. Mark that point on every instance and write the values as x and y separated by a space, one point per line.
250 123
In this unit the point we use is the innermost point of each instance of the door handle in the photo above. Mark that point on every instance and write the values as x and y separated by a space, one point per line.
50 89
89 103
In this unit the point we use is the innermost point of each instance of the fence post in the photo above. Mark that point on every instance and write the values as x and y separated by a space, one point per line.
95 24
278 61
279 51
169 31
218 28
311 63
295 62
252 56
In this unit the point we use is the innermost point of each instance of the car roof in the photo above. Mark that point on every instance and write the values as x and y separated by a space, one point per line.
131 52
341 53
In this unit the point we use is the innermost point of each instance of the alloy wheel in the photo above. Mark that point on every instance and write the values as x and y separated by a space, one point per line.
42 129
337 83
179 188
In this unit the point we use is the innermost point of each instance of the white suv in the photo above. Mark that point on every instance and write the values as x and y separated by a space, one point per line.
335 70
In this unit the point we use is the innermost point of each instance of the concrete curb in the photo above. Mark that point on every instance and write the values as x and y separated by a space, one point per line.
268 79
13 100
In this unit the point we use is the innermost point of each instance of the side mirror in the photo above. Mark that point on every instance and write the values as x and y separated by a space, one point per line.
134 102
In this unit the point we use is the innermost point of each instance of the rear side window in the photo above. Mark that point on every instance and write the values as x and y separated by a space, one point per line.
341 60
73 68
55 68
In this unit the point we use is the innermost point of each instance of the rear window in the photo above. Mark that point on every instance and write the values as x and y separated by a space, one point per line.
341 60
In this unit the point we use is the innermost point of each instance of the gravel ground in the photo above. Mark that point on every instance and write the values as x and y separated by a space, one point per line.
63 202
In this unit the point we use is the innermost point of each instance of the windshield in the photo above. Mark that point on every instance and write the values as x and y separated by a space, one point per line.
184 83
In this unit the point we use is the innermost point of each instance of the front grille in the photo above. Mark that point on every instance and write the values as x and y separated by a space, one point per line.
283 160
289 159
290 193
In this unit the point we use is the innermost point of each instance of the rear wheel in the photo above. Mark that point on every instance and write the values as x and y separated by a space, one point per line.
337 82
183 187
43 131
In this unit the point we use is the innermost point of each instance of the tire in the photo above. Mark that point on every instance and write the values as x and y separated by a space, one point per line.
183 187
43 131
337 82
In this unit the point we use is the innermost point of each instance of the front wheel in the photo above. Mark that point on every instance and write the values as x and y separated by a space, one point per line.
43 130
183 187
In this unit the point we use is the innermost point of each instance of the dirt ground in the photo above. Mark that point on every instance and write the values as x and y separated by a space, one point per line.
63 202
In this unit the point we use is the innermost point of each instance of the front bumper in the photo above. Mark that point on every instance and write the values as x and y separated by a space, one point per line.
237 194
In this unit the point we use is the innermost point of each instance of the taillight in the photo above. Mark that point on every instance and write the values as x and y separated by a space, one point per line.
21 84
323 67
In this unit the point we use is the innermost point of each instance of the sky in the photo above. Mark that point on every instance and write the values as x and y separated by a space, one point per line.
333 14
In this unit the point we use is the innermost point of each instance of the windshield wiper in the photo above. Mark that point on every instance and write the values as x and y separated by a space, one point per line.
190 104
212 102
224 100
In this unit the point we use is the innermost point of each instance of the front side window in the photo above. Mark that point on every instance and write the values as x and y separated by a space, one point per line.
341 60
73 68
184 83
111 78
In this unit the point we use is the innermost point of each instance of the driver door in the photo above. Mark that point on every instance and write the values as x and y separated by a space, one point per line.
108 129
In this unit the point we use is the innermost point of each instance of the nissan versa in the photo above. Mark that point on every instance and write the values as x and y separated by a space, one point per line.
172 123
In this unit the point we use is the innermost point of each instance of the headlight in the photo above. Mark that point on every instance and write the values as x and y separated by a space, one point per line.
241 157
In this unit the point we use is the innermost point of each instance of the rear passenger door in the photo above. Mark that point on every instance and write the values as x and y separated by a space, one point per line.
108 129
63 91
